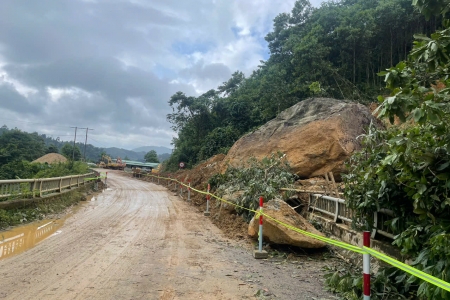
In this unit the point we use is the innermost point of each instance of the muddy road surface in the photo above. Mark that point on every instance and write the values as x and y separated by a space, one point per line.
136 240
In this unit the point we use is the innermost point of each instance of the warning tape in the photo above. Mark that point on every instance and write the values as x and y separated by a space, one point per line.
94 178
408 269
362 250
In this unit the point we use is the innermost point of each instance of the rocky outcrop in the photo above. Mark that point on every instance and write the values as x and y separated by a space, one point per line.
231 197
317 135
276 233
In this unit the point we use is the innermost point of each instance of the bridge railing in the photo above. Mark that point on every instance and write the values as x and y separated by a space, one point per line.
337 209
41 186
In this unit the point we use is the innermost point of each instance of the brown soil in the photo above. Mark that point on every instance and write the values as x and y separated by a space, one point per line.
51 158
232 225
137 240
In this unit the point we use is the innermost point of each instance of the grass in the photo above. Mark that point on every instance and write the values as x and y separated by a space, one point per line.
40 210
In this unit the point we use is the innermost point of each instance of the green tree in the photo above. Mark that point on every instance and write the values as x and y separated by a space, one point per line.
70 152
17 149
151 156
407 168
52 149
335 51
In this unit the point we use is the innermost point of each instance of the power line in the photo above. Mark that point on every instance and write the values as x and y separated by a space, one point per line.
85 142
75 138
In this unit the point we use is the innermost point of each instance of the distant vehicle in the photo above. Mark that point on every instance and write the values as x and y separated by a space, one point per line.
107 163
157 169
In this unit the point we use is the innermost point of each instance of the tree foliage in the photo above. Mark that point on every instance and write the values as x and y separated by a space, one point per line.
260 178
332 51
151 157
18 149
52 149
71 152
407 168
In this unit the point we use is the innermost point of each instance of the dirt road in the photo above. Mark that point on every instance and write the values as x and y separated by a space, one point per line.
138 241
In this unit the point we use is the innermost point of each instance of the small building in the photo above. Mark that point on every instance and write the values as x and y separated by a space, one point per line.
145 166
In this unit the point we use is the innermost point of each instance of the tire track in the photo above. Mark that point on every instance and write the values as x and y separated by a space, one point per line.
136 241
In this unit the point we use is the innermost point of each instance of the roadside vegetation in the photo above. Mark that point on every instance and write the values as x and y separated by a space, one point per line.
406 168
39 210
259 178
334 51
18 149
356 50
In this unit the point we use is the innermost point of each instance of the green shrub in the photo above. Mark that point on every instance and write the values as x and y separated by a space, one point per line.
260 178
63 169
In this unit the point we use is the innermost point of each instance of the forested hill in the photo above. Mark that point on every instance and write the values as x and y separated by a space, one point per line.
333 51
19 148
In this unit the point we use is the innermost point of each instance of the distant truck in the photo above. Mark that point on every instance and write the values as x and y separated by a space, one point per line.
107 163
157 169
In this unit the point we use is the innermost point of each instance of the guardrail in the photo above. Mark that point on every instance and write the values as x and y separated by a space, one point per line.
41 186
338 210
365 250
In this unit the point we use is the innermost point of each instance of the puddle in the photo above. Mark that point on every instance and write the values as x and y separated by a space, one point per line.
90 198
20 239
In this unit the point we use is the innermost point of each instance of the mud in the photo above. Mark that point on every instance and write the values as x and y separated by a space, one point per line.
20 239
136 240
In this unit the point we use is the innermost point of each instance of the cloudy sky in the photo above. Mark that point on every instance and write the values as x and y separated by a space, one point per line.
112 65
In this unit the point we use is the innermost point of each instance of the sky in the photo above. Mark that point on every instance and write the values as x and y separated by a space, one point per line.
112 65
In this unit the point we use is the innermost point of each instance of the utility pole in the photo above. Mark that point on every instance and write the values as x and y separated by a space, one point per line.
85 142
73 150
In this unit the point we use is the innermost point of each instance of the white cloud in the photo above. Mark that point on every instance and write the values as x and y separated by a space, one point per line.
56 94
113 65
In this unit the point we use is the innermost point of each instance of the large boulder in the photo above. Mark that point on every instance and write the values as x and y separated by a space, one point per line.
276 233
316 134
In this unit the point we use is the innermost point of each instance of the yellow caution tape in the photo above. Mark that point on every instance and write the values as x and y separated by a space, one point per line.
94 178
408 269
318 237
362 250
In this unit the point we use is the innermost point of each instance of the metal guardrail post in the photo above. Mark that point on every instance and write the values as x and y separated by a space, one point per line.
336 214
189 192
376 229
181 188
375 225
208 196
366 266
40 189
34 188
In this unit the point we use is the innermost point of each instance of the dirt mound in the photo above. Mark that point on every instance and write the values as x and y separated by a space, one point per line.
51 158
232 225
200 174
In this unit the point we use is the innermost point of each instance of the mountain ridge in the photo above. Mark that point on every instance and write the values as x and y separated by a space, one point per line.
159 149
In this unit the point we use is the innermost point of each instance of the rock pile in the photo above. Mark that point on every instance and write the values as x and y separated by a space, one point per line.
317 135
